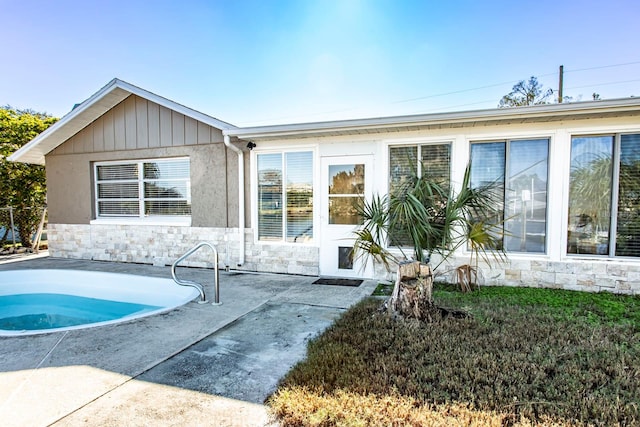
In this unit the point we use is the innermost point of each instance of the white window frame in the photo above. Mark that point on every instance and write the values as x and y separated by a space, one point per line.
141 217
615 191
255 194
419 144
507 141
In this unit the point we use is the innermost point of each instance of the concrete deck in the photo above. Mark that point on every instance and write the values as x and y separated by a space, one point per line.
196 365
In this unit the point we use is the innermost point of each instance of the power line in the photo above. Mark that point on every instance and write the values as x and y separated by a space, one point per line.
605 84
453 92
603 66
402 101
465 90
510 82
322 113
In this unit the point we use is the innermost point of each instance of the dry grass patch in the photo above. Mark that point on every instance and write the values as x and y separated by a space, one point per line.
528 356
301 407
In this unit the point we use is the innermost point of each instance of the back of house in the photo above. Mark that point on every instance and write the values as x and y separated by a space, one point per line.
134 177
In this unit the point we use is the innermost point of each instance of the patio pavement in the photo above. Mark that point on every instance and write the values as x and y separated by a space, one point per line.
197 365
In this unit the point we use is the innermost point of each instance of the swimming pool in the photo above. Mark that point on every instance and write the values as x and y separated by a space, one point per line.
40 301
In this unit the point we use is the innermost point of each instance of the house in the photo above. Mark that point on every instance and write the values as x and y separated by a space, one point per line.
134 177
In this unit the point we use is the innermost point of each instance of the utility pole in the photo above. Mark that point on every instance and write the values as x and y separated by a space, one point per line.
560 84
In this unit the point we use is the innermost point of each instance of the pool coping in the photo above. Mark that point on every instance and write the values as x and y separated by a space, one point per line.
114 287
91 369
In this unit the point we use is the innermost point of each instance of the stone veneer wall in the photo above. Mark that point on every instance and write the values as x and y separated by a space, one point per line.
591 275
162 245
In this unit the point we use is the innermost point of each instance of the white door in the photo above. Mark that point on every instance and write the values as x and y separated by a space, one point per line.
345 181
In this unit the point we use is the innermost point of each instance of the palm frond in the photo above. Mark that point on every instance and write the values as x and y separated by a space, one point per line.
425 212
366 247
370 239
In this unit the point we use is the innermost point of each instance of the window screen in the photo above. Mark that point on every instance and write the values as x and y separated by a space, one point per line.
143 188
403 164
299 170
590 195
517 170
628 216
604 196
406 163
435 162
270 196
285 196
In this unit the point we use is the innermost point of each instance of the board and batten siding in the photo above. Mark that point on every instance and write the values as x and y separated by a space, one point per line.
137 123
140 129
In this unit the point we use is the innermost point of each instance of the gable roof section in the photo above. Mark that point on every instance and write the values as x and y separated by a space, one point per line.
91 109
529 114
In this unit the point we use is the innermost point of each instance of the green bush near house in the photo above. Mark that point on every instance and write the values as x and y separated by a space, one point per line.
22 186
525 356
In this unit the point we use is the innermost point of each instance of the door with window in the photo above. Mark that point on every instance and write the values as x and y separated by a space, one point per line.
346 181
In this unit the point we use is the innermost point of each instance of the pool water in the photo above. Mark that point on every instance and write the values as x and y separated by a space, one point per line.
30 312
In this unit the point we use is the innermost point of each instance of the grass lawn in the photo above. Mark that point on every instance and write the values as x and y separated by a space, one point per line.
525 356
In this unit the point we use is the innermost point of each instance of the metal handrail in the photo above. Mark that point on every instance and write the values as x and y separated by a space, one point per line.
197 285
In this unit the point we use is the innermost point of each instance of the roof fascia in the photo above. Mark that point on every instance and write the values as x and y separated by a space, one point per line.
534 111
29 153
172 105
22 154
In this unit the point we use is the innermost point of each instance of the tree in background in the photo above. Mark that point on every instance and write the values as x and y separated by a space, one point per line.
526 93
22 186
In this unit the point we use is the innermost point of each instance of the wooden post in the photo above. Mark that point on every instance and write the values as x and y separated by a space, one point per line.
560 84
13 228
36 242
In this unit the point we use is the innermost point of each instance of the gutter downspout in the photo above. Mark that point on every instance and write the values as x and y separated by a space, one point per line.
227 142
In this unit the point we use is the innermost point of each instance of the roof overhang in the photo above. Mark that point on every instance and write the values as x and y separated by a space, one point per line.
91 109
528 114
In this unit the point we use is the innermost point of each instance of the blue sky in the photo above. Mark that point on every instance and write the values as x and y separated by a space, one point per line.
268 62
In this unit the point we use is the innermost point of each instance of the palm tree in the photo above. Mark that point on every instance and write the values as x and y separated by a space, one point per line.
432 219
425 214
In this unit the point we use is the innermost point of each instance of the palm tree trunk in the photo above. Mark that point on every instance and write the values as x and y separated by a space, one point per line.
411 296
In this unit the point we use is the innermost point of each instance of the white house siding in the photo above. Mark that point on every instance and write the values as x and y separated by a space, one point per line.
553 269
139 128
161 245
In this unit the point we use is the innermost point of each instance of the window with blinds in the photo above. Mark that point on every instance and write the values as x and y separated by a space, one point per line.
143 188
518 171
406 163
604 196
628 212
285 196
403 166
435 162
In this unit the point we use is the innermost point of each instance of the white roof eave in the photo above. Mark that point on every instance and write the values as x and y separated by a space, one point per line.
88 111
382 123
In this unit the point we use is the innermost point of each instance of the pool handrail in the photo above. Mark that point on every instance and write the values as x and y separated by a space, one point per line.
198 286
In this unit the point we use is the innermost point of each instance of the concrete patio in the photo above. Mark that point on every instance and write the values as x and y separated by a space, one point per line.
195 365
